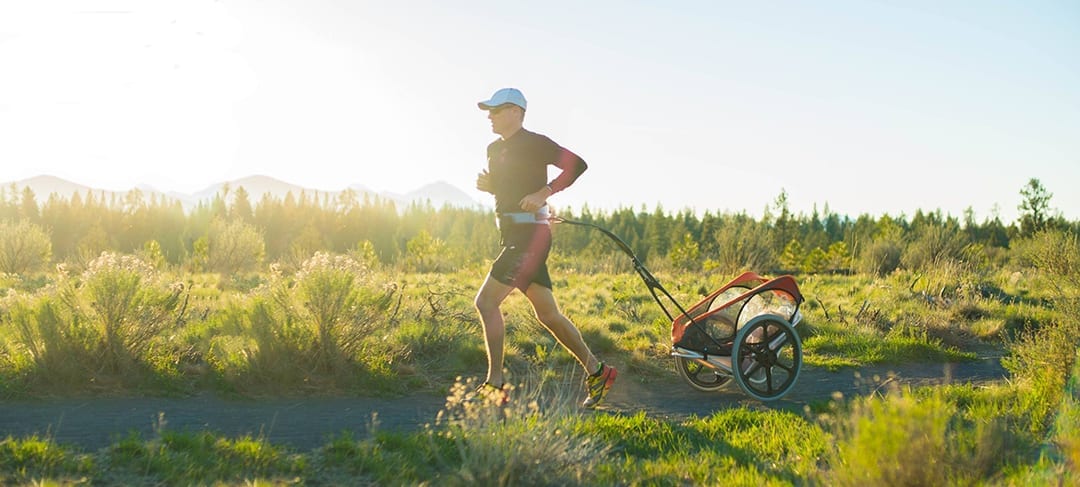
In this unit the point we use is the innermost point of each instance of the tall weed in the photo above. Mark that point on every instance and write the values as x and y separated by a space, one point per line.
528 441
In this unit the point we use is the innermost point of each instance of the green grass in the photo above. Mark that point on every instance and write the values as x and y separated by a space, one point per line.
392 333
538 440
736 446
179 458
399 333
832 349
928 436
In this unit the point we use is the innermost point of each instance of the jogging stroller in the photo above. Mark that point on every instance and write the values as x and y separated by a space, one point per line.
743 331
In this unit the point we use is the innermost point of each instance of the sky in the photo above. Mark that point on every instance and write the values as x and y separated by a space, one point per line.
861 107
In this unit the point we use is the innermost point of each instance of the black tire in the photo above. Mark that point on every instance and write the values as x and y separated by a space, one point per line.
700 376
767 357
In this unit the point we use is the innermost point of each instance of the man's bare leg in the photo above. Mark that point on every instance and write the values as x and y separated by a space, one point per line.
564 330
491 295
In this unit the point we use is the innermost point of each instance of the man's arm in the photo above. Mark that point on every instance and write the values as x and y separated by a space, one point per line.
572 167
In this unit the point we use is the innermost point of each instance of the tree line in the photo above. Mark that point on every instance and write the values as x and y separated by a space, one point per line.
232 234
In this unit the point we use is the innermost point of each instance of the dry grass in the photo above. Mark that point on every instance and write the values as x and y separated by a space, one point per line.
527 441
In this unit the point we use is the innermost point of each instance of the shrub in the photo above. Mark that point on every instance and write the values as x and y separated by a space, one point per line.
364 253
526 442
234 246
122 298
1040 360
24 247
931 245
1067 426
1056 254
314 327
151 254
816 261
880 257
59 348
902 439
742 244
329 288
424 253
793 255
104 322
685 254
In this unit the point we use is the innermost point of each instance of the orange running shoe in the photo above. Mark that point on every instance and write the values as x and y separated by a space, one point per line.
598 385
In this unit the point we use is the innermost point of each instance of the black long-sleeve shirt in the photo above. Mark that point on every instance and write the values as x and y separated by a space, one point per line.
518 166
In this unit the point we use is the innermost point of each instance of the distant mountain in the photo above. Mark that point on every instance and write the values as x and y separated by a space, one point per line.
43 186
438 193
257 186
441 193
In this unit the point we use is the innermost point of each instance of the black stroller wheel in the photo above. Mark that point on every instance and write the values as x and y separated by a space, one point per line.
767 357
701 376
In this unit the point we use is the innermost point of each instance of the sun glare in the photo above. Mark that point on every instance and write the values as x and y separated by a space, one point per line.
124 85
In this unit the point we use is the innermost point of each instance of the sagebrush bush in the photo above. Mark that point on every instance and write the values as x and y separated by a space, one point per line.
527 441
59 348
233 246
932 244
309 329
904 439
1040 360
1056 255
880 257
328 288
1042 357
104 322
1067 426
741 245
123 299
24 247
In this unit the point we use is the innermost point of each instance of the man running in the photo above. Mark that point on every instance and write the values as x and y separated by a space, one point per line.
517 176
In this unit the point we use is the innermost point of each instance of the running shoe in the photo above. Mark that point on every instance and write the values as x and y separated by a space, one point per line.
599 384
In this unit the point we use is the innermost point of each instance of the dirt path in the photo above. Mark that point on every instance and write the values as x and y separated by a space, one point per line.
304 424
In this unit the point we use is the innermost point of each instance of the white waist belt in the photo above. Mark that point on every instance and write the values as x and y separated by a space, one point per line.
540 217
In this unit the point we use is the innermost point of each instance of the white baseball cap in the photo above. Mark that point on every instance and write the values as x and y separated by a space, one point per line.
502 97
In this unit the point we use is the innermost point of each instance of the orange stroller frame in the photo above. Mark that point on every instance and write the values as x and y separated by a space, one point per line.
743 331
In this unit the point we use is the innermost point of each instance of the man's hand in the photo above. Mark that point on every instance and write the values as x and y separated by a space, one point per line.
534 201
483 182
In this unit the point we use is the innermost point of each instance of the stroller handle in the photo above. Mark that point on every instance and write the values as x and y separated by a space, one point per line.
618 241
650 281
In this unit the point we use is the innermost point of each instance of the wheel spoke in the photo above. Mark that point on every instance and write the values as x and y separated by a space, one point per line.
769 341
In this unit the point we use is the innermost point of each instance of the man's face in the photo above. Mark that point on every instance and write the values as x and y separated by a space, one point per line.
505 119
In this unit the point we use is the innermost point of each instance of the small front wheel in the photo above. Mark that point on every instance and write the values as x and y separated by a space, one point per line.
701 376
